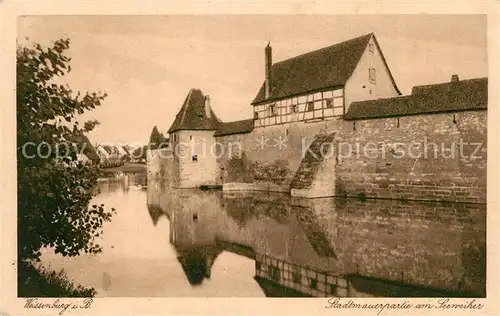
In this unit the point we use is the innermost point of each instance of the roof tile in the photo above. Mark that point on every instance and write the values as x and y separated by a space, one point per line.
192 114
236 127
322 68
471 94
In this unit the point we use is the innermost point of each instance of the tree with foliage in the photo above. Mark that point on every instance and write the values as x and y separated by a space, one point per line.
156 139
54 189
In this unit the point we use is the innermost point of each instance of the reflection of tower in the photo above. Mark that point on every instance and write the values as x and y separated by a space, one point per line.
155 212
194 224
197 263
125 182
106 281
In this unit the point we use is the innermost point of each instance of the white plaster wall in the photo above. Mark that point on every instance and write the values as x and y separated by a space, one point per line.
382 88
204 171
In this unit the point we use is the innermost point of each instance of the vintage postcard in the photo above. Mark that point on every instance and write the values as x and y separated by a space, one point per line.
221 156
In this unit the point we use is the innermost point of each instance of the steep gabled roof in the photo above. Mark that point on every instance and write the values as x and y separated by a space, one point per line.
471 94
84 143
125 149
326 67
192 114
236 127
109 149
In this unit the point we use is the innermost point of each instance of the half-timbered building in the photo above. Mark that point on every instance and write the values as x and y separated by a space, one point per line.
321 84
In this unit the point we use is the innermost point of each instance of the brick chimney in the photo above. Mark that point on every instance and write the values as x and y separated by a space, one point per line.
269 63
207 106
454 78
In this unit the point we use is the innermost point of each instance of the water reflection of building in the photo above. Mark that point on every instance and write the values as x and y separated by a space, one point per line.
194 221
324 247
123 182
304 281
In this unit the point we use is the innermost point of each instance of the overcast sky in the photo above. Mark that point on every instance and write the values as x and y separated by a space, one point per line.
148 64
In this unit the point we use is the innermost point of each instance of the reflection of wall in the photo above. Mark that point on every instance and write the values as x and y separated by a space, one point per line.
305 280
415 243
421 243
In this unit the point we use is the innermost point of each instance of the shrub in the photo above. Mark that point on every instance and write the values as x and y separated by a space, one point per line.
275 171
239 169
38 281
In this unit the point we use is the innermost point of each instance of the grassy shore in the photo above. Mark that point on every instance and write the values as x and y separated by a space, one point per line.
38 281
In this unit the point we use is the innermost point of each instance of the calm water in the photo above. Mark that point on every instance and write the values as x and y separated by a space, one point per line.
166 242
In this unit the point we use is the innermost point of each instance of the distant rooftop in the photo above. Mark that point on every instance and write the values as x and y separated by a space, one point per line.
456 95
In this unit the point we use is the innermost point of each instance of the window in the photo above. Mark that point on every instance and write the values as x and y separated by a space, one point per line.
256 116
296 276
274 273
372 75
272 109
329 103
332 289
371 47
293 108
310 106
194 157
313 283
190 137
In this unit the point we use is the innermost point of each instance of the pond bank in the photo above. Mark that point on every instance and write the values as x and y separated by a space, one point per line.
126 168
39 281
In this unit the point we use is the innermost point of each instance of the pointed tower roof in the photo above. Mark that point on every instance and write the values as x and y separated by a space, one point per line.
193 115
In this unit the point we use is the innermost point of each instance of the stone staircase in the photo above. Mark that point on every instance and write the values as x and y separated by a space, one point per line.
311 162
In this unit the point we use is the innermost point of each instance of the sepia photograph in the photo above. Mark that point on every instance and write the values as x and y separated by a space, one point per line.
333 156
